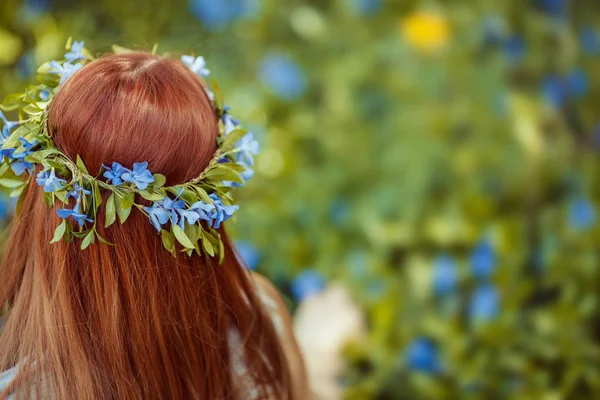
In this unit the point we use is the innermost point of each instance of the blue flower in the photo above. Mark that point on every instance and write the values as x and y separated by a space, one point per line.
75 214
249 254
246 148
49 181
422 355
514 48
577 83
590 42
197 65
221 213
77 192
582 213
216 15
158 215
485 303
494 30
444 275
483 260
557 8
307 283
228 121
65 70
7 126
17 159
365 7
44 95
555 91
282 75
115 174
76 52
204 210
140 176
26 65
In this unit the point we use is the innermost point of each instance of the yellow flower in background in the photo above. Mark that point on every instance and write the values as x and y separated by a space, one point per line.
425 31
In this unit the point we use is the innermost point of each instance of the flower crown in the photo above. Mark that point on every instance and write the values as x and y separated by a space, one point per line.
189 213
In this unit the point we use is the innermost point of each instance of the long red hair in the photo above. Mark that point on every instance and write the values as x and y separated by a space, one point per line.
130 321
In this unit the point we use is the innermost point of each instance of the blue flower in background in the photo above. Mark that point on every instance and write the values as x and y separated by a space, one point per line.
577 82
65 70
33 8
582 213
554 91
444 275
339 212
26 65
494 29
197 65
249 253
49 181
589 40
216 15
557 8
307 283
485 303
140 176
514 48
282 75
115 174
75 214
365 7
483 260
422 355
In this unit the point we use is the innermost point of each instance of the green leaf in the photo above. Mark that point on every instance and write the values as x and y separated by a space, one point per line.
110 216
11 183
61 196
18 191
221 251
203 194
32 110
159 181
219 100
102 240
168 240
208 247
97 196
152 196
220 173
59 232
182 237
49 199
81 165
128 200
123 212
87 240
120 49
234 136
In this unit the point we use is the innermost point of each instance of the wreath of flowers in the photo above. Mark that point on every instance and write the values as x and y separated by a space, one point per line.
188 214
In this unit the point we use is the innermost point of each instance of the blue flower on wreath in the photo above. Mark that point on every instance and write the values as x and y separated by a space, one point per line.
158 215
44 95
65 70
247 147
229 122
7 126
140 176
77 192
76 52
75 213
197 65
115 174
18 163
50 181
221 213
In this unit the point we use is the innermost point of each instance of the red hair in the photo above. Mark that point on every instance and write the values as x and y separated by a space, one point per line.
130 321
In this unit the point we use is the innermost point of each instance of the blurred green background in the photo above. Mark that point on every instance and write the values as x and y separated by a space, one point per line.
439 158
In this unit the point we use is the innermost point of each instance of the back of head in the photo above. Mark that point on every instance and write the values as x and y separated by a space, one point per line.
130 320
